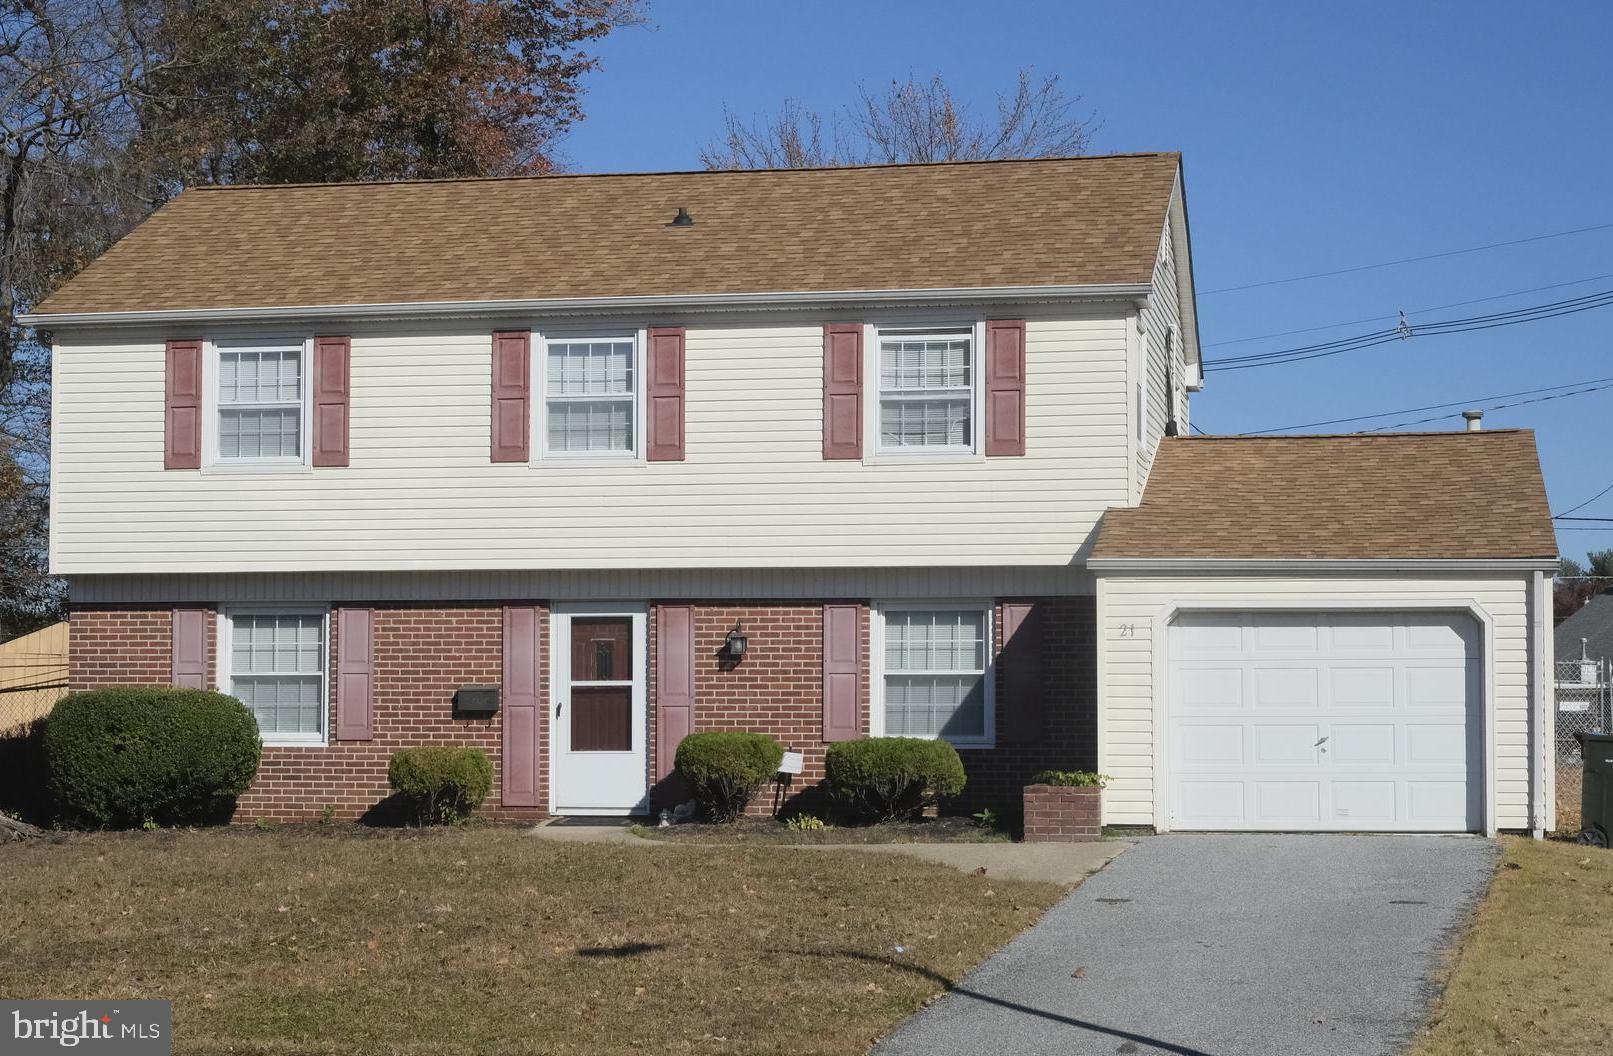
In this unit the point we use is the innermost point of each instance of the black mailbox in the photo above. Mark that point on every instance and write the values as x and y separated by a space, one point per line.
476 702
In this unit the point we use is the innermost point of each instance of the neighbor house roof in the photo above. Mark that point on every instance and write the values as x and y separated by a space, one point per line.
1594 623
1052 222
1405 495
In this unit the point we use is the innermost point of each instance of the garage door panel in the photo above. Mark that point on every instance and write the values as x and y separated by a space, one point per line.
1285 688
1284 745
1362 687
1314 720
1362 743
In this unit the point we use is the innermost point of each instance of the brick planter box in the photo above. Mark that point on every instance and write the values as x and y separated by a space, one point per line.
1063 814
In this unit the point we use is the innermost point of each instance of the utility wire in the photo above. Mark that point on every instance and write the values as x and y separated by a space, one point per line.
1430 407
1406 260
1407 330
1415 311
1587 502
1492 407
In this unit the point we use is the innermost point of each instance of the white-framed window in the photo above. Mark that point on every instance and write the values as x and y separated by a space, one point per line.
933 672
929 389
592 395
276 662
259 391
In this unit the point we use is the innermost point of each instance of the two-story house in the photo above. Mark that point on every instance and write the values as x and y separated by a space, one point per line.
821 453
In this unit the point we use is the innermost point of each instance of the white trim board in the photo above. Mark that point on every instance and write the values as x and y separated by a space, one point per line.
1212 566
772 301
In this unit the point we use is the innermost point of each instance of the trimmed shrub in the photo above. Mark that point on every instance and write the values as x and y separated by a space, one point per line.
724 769
891 778
442 784
138 755
1070 778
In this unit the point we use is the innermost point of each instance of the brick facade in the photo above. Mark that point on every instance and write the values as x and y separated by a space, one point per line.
1060 814
424 653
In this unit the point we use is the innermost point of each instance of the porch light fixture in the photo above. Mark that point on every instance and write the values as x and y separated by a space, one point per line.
736 643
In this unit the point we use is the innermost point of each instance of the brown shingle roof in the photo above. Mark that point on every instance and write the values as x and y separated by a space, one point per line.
1406 495
1043 222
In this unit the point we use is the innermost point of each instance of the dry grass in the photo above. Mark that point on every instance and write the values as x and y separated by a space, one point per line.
491 941
1533 977
772 831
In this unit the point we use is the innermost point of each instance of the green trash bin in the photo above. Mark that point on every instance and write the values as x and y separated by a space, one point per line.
1596 794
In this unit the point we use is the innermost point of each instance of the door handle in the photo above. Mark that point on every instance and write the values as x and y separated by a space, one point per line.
1319 743
557 706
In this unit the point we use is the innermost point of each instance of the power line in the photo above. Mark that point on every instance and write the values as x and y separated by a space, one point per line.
1406 330
1492 407
1587 502
1430 407
1414 311
1601 520
1406 260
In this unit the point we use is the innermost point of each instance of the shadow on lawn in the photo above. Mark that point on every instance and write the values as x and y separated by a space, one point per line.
626 949
952 987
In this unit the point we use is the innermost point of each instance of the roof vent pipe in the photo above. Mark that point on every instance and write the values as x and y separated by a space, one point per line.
683 219
1475 420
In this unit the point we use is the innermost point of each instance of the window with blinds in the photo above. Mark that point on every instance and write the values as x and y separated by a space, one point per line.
260 403
934 676
277 669
590 396
926 390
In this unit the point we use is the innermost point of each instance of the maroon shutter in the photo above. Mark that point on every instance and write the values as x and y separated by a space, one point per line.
674 682
665 376
520 706
190 648
1005 387
182 414
332 393
1020 672
512 394
842 671
843 390
355 674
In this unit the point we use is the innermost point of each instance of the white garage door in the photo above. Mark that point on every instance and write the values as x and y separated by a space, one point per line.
1309 720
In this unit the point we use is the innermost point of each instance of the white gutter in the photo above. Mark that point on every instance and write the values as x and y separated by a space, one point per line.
1212 565
581 305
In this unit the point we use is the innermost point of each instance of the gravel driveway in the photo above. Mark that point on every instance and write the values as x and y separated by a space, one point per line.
1222 946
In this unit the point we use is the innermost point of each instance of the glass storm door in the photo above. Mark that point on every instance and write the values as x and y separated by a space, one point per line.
598 723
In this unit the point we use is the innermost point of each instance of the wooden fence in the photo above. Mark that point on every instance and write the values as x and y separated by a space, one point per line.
33 675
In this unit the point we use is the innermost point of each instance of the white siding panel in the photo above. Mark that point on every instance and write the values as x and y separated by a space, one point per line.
1162 315
421 493
1129 604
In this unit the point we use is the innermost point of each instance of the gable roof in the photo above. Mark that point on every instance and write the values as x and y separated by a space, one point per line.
1425 496
1050 222
1594 623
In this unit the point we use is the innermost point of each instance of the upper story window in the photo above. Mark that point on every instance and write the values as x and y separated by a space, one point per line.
260 397
590 400
927 390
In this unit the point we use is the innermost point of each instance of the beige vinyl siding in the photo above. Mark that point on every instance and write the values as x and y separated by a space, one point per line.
421 493
1129 604
1162 315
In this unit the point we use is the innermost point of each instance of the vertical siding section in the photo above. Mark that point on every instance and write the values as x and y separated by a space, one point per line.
1130 605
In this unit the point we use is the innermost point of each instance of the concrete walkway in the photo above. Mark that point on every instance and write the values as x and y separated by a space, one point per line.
1057 863
1223 946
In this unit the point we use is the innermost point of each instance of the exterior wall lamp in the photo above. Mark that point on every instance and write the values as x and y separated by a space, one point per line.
736 642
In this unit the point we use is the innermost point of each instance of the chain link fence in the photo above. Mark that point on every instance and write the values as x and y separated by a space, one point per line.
1584 705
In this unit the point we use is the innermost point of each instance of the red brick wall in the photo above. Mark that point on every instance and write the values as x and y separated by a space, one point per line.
421 657
777 688
1060 814
423 654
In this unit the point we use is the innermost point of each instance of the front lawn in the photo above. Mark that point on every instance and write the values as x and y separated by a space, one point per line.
491 941
1535 975
773 831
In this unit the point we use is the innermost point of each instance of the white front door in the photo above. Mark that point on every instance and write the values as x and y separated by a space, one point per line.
1326 721
597 718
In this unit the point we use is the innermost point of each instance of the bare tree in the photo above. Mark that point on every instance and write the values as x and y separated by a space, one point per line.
909 121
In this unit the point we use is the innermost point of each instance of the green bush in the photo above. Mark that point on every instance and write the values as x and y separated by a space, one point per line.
725 769
1070 778
890 778
135 755
442 784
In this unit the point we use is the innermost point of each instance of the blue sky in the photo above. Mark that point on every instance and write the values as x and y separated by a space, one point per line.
1316 137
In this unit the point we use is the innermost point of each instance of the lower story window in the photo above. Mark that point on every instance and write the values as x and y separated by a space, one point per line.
934 677
277 669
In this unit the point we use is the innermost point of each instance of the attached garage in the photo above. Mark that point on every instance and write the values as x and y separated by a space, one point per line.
1372 659
1326 720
